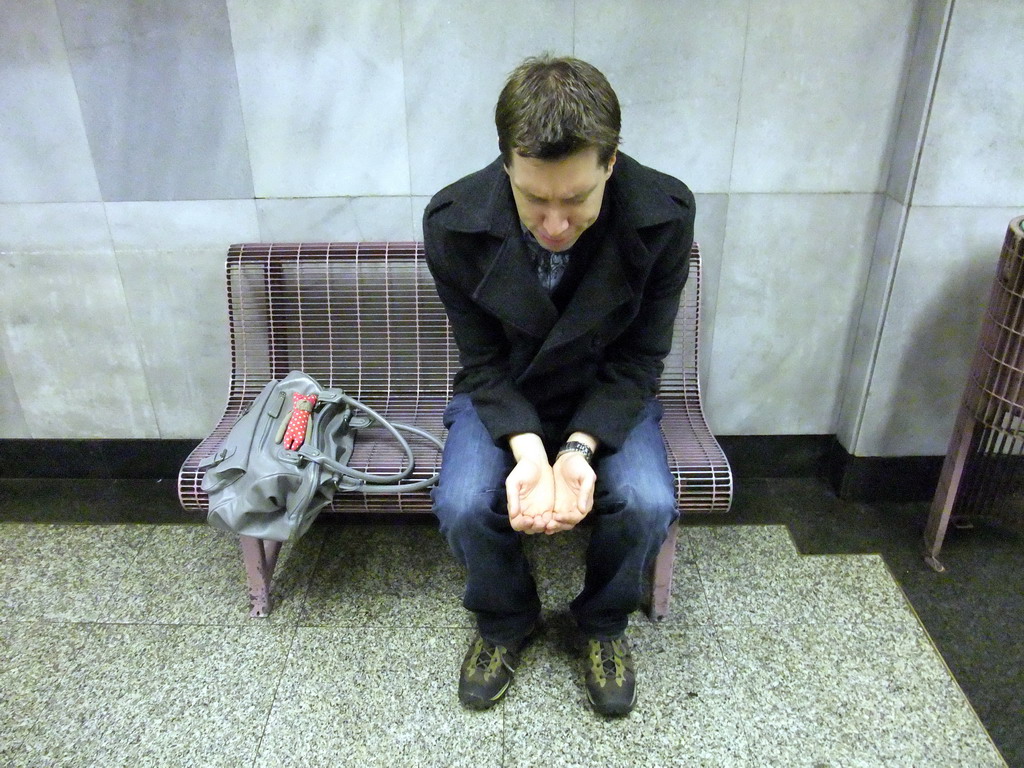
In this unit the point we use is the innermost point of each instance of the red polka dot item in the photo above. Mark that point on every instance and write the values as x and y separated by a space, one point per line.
295 433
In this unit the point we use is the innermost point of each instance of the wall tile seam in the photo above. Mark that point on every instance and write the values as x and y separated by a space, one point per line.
706 319
792 193
406 102
139 350
188 248
863 387
246 123
402 196
182 200
18 422
922 137
241 106
739 101
853 331
259 198
910 189
905 104
78 104
57 252
71 201
967 206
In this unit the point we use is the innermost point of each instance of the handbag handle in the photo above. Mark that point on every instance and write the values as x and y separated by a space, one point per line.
365 481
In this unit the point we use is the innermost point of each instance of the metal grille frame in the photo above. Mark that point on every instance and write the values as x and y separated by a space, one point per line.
365 317
982 476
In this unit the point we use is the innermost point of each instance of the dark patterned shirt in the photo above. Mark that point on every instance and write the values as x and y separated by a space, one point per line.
549 265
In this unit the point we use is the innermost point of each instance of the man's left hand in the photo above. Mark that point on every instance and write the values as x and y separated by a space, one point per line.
574 491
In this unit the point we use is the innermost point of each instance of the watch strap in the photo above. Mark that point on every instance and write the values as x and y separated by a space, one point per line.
575 446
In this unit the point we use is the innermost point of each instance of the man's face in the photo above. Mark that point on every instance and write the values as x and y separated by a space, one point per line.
558 200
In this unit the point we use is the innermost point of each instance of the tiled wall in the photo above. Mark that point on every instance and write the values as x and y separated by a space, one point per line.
137 140
957 181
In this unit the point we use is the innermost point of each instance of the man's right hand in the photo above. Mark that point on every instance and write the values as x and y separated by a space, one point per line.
530 488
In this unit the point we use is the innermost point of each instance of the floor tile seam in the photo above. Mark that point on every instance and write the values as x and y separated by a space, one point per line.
874 580
939 680
909 605
147 624
745 728
743 686
307 580
386 628
950 593
670 623
706 598
723 603
781 626
123 573
730 559
895 622
83 524
952 676
913 610
730 672
787 544
283 667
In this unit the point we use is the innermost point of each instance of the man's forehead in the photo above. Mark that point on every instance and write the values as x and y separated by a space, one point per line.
564 178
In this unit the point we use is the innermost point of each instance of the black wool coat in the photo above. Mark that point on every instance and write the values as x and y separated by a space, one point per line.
529 368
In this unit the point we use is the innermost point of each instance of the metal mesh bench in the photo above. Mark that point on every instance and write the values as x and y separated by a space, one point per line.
365 317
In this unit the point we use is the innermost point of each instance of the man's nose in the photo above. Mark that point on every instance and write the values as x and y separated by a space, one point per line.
555 223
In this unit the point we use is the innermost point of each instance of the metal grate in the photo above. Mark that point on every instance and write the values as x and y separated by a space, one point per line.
365 317
983 473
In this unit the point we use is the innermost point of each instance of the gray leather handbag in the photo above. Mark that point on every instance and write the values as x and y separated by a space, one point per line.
287 455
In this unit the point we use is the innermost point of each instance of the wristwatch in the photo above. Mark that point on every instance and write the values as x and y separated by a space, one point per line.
575 446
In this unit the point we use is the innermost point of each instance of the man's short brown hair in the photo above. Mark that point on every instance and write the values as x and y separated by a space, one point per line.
551 108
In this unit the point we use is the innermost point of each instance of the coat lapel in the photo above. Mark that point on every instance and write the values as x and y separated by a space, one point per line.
603 289
508 288
511 291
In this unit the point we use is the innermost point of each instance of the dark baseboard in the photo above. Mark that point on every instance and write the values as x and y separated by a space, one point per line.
882 478
777 455
94 459
854 478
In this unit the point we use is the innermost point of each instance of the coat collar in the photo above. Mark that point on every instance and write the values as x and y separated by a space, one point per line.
510 290
639 205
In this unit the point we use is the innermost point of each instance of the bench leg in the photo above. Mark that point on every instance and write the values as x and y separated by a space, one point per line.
260 558
661 583
946 490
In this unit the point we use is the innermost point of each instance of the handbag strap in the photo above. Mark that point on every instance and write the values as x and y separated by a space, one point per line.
350 479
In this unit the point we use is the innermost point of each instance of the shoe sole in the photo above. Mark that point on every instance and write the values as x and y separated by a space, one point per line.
477 703
612 711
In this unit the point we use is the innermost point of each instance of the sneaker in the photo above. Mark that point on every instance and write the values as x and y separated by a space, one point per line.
611 677
486 674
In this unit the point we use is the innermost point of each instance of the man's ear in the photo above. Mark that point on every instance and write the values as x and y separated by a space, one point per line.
611 163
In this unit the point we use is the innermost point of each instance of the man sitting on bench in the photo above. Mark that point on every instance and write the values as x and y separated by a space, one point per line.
561 266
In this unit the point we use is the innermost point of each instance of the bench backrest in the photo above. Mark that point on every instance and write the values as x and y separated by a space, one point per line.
365 317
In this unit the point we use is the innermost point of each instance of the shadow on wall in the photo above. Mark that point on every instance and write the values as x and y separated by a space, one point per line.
937 359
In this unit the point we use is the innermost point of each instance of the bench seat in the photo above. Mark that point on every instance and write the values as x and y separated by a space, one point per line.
365 317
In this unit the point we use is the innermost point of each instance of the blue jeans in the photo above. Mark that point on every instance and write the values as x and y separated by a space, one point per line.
634 505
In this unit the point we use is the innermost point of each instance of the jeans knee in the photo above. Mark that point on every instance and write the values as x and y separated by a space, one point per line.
460 515
648 508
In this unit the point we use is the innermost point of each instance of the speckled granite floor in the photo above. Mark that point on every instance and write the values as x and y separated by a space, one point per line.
129 645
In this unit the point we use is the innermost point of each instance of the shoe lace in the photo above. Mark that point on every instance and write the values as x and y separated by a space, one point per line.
607 659
487 659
